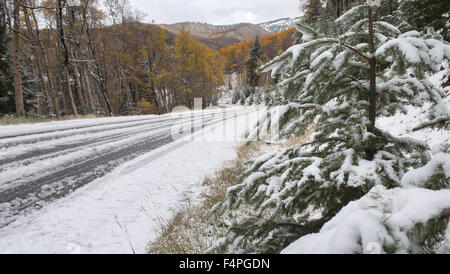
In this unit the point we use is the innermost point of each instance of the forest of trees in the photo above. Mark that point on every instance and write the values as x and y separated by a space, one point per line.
236 56
60 60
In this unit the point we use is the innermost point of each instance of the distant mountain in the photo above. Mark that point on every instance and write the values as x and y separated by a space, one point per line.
218 36
279 25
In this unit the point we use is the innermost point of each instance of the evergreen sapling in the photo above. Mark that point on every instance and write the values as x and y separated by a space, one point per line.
339 86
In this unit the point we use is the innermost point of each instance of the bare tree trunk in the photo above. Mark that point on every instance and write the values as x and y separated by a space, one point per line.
69 91
66 58
346 5
126 86
164 98
100 79
371 150
51 85
97 95
60 91
88 88
338 8
36 55
54 92
42 84
151 75
76 73
78 86
372 76
18 85
3 12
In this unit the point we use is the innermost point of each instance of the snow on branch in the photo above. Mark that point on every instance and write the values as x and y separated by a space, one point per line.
385 217
351 14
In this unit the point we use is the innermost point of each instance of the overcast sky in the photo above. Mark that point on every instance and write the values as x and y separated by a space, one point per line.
217 11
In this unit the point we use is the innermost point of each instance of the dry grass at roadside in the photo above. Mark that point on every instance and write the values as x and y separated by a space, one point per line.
195 229
300 139
31 120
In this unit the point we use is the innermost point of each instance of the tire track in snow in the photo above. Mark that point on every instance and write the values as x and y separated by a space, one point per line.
37 179
64 144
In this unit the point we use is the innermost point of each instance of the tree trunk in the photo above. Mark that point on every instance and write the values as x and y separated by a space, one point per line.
36 56
371 149
3 12
54 95
88 89
152 75
43 54
69 91
346 5
99 77
18 90
43 85
76 73
372 76
338 8
103 89
165 95
66 58
124 83
60 91
78 86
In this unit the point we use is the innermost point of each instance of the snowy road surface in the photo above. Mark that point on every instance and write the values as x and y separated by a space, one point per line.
94 185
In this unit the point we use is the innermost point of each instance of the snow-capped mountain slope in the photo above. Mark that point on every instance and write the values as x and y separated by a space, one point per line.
279 25
215 36
218 36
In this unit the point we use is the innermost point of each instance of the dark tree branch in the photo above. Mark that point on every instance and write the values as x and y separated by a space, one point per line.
445 213
442 122
326 141
39 7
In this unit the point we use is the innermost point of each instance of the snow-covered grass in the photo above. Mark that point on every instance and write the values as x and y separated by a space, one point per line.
196 229
122 212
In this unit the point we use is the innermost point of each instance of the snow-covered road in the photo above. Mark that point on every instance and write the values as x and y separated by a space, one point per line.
94 185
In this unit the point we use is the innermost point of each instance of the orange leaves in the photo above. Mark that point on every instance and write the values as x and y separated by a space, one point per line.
236 55
145 107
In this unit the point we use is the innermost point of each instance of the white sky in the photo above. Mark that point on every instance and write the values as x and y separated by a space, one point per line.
217 11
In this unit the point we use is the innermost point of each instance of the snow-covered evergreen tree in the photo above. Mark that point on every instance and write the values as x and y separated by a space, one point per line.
268 99
253 63
338 86
236 97
7 105
251 99
423 14
6 83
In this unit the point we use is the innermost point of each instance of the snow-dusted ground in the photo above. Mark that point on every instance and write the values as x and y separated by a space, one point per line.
120 213
402 125
40 163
